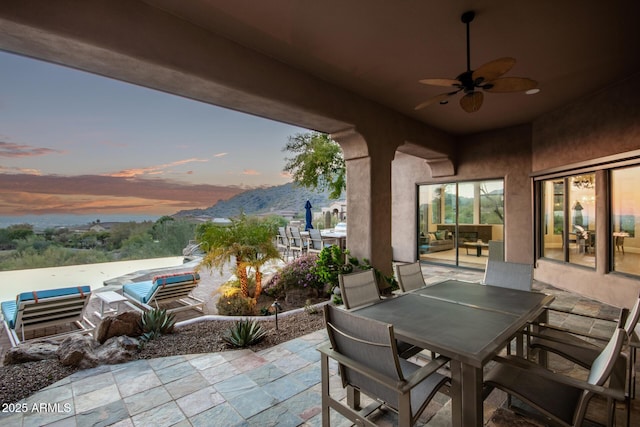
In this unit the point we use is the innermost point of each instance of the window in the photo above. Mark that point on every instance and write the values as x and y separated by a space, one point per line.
625 218
569 219
457 220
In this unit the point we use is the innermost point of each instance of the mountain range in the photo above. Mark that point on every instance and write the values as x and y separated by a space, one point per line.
282 198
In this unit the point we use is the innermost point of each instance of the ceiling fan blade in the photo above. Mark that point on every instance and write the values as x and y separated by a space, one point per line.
434 99
510 84
441 82
492 70
472 101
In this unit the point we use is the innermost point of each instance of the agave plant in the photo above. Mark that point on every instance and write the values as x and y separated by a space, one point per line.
244 333
156 322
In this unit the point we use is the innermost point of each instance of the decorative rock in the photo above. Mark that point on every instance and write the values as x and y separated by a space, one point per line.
78 350
117 350
127 323
31 352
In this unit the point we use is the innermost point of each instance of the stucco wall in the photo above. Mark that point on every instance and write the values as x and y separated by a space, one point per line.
502 154
607 123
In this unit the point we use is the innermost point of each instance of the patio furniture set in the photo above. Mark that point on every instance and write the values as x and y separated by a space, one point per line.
377 341
53 308
466 326
291 241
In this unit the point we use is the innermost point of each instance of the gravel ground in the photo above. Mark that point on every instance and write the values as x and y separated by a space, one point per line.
20 381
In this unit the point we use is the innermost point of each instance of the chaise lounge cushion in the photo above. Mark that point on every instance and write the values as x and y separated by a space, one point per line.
143 291
10 308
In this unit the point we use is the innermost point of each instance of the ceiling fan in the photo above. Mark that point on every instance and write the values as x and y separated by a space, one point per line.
487 77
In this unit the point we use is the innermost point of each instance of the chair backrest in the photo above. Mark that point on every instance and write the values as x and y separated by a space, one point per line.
410 276
632 319
508 275
296 237
171 287
372 345
50 307
358 289
315 240
282 237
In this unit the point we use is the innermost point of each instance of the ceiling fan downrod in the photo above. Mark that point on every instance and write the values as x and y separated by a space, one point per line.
466 18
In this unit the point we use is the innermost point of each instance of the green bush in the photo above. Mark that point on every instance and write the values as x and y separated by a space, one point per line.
332 262
233 303
244 333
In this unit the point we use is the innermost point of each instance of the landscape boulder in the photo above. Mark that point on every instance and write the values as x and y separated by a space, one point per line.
31 352
118 349
78 351
127 323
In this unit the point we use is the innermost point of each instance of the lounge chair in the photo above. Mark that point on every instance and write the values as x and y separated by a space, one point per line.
368 361
410 276
164 289
44 309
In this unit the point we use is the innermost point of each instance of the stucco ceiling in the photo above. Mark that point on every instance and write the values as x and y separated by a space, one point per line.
380 49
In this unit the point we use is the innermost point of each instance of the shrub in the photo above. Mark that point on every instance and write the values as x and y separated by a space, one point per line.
298 274
233 303
155 323
332 262
244 333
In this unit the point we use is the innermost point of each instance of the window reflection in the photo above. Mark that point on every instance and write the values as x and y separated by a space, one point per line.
625 218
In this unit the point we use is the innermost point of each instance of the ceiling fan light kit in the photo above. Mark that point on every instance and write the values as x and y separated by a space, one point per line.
487 77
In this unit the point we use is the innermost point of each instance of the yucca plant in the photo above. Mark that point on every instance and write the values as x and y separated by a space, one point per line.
156 322
244 332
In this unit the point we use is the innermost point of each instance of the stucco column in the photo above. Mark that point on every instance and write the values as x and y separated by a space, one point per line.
368 163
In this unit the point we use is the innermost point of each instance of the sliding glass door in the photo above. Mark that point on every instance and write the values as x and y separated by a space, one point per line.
461 223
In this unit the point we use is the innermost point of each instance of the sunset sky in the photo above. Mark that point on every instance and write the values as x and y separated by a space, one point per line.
73 142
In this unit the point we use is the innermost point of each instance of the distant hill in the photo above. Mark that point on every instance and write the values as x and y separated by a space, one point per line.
287 197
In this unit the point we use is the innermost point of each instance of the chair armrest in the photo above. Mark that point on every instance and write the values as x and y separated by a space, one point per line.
617 394
421 374
356 366
562 310
569 331
409 383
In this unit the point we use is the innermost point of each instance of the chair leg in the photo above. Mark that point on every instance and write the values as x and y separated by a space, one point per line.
326 412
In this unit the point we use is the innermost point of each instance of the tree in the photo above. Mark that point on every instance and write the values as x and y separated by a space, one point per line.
248 240
317 163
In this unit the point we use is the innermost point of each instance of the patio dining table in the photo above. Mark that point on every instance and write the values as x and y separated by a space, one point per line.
466 322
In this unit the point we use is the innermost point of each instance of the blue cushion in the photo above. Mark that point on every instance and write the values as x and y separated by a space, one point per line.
49 293
10 308
142 291
9 311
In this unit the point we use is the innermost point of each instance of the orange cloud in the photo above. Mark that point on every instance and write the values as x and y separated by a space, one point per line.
220 154
250 172
10 169
10 149
153 170
27 194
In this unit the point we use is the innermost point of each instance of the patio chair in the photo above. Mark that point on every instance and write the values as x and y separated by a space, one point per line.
410 276
360 289
315 243
368 362
282 241
562 399
508 275
44 309
296 244
574 346
162 290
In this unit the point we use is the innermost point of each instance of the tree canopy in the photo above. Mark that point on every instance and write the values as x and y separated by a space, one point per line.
317 162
